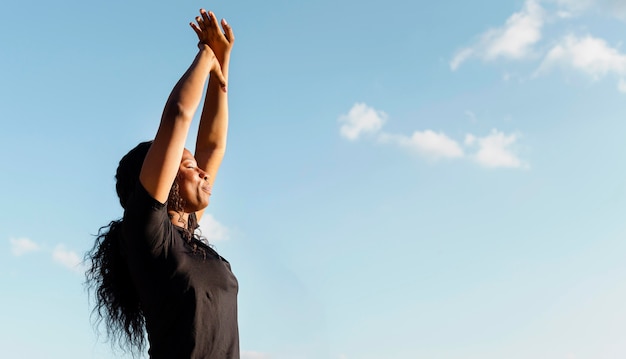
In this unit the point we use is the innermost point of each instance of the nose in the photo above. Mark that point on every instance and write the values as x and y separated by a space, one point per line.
203 174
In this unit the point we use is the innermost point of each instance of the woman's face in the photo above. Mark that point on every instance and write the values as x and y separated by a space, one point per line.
193 184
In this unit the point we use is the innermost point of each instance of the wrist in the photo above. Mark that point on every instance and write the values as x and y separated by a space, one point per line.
202 47
223 58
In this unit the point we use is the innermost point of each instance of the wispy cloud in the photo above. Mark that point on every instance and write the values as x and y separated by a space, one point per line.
254 355
429 144
514 40
361 119
519 38
460 57
212 229
21 246
494 150
613 8
67 258
590 55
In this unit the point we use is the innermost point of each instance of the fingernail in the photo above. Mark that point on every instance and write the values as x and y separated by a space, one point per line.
224 20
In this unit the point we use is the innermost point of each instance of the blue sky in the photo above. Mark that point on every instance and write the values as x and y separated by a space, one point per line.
403 180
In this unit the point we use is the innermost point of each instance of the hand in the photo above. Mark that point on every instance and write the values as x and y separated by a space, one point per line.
209 33
215 66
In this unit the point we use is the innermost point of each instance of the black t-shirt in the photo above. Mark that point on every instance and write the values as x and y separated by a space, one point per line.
188 296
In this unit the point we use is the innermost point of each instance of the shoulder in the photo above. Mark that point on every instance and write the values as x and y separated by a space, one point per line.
145 219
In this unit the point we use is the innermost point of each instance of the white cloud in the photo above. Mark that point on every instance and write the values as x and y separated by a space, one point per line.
361 119
613 8
427 143
514 40
460 57
67 258
212 229
522 30
254 355
20 246
589 55
494 150
519 36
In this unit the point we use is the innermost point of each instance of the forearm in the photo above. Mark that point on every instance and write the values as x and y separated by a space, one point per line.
162 162
213 129
187 93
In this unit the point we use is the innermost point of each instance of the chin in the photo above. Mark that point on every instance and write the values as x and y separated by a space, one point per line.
195 207
202 206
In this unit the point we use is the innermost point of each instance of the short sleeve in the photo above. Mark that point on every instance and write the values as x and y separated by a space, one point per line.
146 221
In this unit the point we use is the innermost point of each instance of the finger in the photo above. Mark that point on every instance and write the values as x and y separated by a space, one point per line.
205 16
196 28
228 31
201 23
212 17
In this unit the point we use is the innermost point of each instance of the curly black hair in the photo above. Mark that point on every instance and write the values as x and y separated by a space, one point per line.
116 300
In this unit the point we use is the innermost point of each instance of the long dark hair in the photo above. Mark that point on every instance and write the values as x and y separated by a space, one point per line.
108 278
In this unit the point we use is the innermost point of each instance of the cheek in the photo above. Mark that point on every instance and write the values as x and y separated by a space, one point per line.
187 185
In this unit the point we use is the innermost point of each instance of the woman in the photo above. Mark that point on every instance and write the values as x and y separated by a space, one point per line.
150 270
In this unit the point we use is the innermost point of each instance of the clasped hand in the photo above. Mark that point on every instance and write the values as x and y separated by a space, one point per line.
209 33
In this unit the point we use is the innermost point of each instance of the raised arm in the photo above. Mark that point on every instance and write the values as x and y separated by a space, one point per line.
163 159
212 132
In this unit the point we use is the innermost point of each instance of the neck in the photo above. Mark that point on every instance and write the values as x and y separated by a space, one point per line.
179 219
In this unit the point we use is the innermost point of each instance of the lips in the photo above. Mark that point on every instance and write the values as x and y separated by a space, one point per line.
207 189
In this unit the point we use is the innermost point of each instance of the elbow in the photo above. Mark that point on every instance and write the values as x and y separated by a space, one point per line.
178 112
